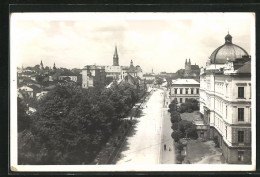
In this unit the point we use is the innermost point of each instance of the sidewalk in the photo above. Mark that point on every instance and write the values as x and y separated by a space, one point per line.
167 157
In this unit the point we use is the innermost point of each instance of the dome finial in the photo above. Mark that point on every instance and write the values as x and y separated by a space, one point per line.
228 38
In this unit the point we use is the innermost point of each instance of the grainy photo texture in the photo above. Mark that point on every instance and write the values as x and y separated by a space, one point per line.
135 91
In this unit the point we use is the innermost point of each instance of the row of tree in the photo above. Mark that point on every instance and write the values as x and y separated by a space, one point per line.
71 124
181 129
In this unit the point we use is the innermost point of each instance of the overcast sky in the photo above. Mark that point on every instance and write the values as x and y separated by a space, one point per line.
161 41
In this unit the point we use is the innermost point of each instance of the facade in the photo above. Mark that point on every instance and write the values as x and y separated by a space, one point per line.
183 89
225 100
93 75
150 77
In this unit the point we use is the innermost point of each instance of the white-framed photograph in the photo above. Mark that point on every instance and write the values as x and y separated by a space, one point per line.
127 92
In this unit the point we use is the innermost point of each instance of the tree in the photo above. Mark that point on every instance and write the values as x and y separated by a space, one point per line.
173 106
39 78
175 117
22 117
71 124
174 126
176 135
188 129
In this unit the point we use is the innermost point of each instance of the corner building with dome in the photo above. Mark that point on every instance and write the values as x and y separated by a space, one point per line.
225 101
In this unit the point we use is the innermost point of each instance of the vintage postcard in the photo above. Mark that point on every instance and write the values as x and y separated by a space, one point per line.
132 92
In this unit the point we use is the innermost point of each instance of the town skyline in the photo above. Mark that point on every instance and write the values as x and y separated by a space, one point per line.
73 42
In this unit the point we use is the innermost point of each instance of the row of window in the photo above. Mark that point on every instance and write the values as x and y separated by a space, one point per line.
186 91
183 100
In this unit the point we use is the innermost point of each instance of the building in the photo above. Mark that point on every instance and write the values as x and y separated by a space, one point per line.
150 77
191 71
225 100
114 72
71 77
183 89
93 75
31 90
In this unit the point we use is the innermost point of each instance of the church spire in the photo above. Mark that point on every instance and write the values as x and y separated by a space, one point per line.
41 65
115 58
54 67
131 63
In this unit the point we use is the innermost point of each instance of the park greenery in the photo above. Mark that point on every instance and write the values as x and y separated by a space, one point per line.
181 129
190 105
71 124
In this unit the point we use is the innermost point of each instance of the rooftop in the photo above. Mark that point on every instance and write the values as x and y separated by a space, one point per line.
185 81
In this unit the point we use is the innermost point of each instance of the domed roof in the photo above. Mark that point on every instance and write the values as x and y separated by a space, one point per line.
228 51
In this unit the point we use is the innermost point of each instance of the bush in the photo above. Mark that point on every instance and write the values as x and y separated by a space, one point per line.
189 110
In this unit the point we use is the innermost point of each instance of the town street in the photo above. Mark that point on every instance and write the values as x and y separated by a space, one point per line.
145 145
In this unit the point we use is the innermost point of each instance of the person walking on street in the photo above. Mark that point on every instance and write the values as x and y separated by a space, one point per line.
164 146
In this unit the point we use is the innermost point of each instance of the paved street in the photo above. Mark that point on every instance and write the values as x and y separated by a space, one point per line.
145 145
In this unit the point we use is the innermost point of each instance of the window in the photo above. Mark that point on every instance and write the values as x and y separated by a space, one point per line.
180 100
240 155
198 91
181 91
240 138
240 114
175 91
186 91
226 111
240 92
191 91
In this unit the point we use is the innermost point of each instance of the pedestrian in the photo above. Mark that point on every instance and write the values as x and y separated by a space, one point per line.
165 147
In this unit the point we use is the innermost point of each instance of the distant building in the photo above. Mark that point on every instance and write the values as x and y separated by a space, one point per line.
189 71
31 90
93 75
225 100
183 89
150 77
68 77
114 72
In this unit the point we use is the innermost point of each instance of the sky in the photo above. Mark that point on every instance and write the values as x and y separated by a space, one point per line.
158 41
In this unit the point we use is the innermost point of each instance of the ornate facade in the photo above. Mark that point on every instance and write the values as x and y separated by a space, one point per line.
225 100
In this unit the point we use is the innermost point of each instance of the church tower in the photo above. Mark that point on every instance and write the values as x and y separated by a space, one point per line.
41 66
54 67
115 58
